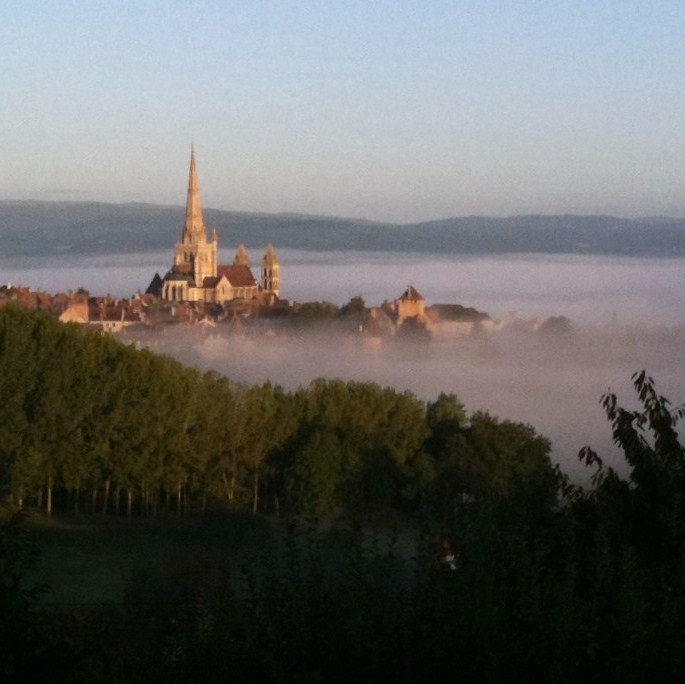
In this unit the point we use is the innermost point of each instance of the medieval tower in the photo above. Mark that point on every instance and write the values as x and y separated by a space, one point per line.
271 279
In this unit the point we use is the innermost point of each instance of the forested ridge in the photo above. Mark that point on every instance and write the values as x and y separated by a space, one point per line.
89 423
31 229
535 580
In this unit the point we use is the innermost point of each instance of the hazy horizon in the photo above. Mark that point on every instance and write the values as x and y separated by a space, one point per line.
294 213
398 112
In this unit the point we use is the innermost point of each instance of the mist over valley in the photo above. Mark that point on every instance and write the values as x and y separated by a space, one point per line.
553 382
626 315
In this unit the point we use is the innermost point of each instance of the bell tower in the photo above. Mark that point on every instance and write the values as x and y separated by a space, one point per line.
271 279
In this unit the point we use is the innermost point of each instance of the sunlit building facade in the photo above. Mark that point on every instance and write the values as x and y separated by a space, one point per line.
195 275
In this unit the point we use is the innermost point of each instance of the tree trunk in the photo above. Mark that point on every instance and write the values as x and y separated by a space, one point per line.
129 502
255 492
48 498
94 499
105 497
179 494
117 493
227 488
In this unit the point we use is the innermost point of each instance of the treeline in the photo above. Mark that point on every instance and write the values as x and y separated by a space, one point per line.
87 423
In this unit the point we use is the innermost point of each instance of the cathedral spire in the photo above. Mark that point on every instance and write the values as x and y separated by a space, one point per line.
194 227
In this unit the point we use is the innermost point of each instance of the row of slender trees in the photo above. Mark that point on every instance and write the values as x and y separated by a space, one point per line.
87 422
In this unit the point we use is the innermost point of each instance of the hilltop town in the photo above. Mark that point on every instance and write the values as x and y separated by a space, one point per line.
199 292
148 312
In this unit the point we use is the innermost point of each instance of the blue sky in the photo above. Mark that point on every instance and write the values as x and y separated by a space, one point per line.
384 110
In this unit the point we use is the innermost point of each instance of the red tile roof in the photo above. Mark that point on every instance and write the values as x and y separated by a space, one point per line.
411 294
237 274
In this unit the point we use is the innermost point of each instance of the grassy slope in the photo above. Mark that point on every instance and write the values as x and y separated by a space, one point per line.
91 561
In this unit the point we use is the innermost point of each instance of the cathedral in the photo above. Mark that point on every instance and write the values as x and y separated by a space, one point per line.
195 275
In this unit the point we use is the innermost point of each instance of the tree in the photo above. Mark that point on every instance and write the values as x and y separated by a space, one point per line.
446 411
367 437
485 459
649 505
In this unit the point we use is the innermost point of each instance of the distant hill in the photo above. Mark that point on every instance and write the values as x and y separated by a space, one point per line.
29 228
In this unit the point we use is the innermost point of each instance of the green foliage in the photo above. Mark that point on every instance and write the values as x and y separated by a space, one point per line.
87 421
446 411
354 446
588 588
98 426
485 459
354 310
315 312
315 479
649 506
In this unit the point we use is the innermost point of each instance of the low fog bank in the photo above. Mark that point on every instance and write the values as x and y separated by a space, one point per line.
587 289
118 275
552 381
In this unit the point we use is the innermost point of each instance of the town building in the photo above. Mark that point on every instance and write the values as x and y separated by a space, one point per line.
410 305
195 275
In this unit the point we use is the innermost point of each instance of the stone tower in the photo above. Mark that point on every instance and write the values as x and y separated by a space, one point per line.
241 257
194 256
271 280
410 305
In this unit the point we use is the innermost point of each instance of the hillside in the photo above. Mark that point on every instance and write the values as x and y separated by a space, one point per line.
29 228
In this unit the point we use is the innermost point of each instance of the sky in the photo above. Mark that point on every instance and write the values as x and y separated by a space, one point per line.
388 110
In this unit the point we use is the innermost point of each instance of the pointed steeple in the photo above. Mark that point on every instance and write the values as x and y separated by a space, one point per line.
270 257
241 256
194 227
